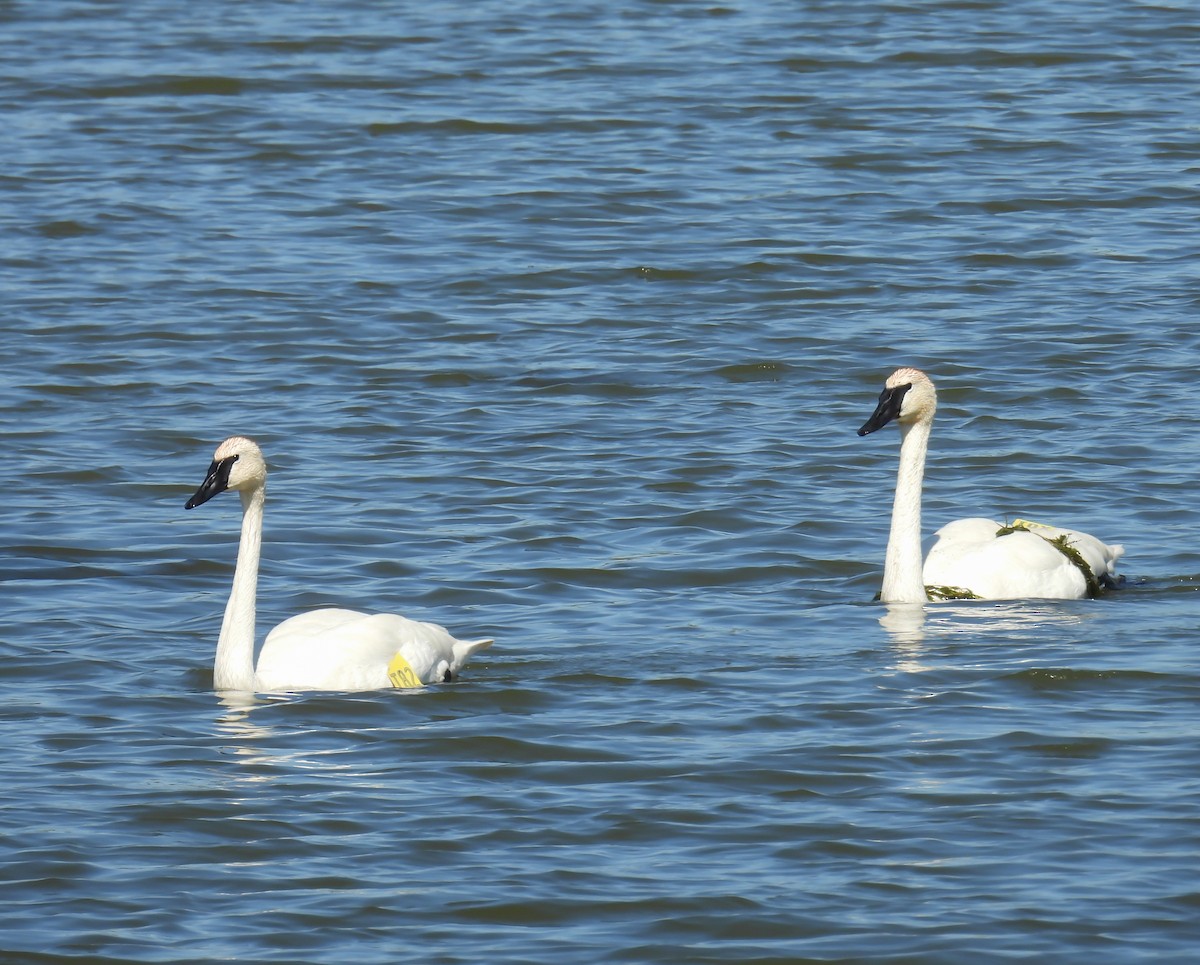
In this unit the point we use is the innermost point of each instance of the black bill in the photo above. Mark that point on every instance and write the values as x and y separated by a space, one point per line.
890 400
217 481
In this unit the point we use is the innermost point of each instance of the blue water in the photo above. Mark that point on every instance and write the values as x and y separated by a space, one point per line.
556 322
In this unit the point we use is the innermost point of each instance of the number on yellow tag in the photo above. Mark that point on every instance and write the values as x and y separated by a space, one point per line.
401 673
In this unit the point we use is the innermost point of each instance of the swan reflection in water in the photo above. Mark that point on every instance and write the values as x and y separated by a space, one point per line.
270 735
248 738
917 629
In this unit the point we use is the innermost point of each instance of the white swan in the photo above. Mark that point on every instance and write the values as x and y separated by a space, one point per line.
328 649
973 557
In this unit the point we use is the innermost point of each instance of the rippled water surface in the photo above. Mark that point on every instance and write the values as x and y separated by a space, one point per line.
556 322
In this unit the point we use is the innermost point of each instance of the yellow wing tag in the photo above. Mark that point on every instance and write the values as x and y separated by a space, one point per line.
401 673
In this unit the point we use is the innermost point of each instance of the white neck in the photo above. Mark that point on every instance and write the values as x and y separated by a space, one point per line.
902 579
234 665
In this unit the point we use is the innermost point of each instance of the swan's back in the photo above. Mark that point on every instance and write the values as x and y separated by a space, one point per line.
1021 561
335 649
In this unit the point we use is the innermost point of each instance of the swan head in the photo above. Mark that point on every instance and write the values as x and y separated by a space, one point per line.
237 464
908 396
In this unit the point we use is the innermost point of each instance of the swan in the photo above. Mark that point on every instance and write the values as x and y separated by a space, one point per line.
973 558
327 649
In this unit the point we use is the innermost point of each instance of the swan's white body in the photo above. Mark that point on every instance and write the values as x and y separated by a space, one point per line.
329 649
978 557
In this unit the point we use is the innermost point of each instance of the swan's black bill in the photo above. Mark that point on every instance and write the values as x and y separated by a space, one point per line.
890 401
217 481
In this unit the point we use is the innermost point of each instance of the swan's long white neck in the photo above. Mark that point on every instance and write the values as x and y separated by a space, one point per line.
234 666
902 577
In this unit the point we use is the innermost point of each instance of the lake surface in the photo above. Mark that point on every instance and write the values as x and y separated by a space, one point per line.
556 322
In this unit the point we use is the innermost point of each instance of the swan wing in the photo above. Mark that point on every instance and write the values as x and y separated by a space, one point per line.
1015 565
1100 556
335 649
999 563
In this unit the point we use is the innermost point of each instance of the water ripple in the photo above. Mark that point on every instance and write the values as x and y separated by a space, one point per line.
557 325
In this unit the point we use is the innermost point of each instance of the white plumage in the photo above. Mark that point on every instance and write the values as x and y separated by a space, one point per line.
975 557
328 649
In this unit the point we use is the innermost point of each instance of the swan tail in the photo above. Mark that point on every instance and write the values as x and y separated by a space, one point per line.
464 650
